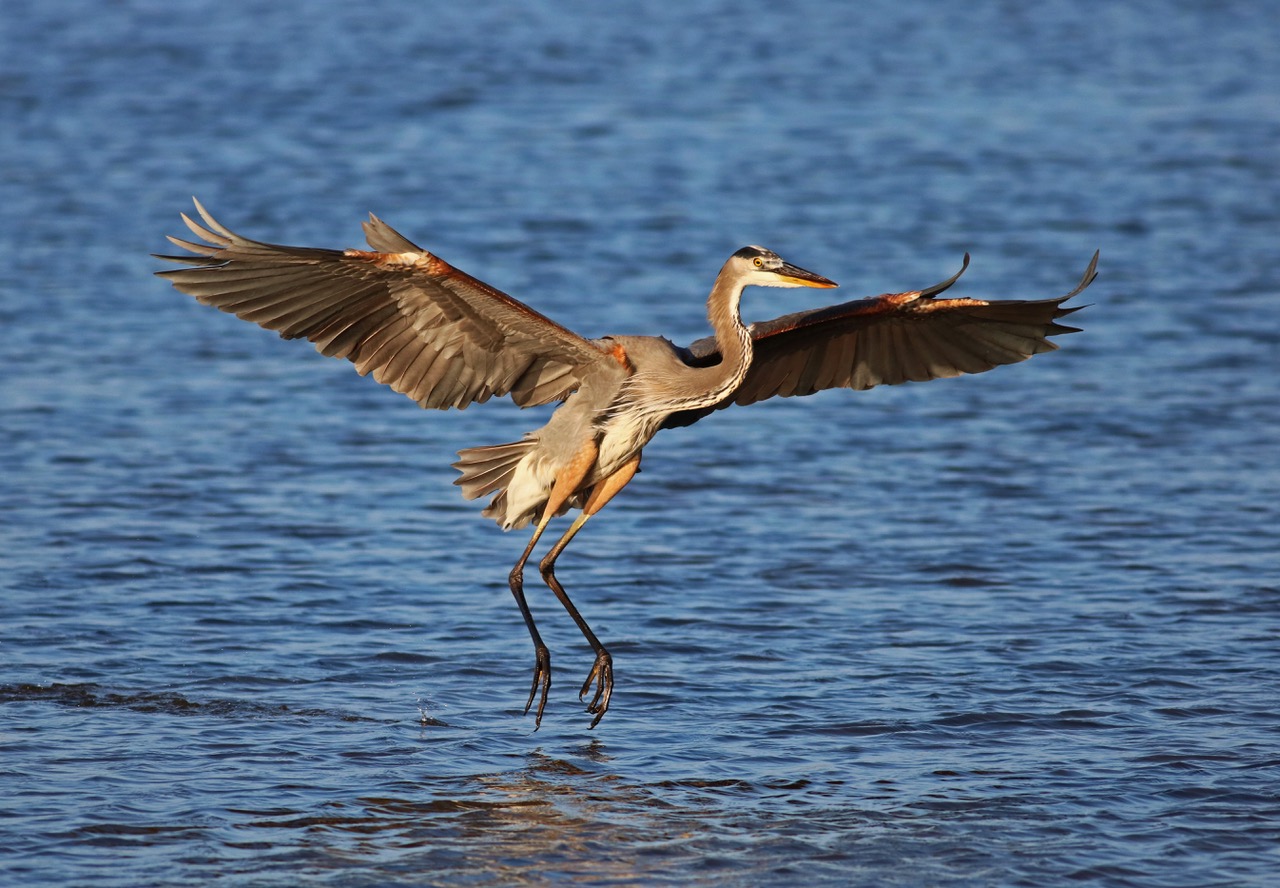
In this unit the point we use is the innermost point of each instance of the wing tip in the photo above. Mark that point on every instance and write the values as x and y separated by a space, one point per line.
382 237
942 286
209 220
1090 274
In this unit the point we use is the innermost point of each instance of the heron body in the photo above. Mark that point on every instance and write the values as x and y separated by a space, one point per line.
446 339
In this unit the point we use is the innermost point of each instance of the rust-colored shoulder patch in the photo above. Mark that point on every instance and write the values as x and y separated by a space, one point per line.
619 354
891 301
912 302
432 265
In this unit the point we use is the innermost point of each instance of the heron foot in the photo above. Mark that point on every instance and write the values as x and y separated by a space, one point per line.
602 676
541 679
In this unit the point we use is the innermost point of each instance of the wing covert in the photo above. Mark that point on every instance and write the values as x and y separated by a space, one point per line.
416 323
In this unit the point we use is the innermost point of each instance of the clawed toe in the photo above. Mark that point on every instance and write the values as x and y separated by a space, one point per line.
602 676
541 679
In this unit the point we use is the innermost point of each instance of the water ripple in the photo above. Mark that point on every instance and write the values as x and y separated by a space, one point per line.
1017 629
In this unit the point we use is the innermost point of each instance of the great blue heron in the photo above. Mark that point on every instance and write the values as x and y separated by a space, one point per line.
446 339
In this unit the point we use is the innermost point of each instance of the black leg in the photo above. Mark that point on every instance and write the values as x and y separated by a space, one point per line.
542 655
602 671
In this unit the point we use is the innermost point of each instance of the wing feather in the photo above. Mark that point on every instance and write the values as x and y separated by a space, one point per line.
887 340
414 322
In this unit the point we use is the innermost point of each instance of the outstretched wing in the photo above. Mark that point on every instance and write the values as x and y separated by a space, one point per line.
415 322
887 340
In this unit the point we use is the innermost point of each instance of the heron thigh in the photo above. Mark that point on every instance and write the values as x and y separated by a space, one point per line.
607 488
569 479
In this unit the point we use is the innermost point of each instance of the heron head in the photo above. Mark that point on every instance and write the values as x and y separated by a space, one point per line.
764 268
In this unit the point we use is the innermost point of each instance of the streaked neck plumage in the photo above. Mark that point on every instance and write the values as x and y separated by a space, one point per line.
732 337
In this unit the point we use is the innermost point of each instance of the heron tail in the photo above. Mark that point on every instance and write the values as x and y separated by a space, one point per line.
491 468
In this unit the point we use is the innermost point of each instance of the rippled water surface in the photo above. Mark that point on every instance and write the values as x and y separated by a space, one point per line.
1020 628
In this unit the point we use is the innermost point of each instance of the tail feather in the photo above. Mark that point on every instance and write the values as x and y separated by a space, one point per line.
492 468
486 481
496 468
486 469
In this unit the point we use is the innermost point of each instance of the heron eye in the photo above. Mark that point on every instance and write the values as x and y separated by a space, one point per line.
759 263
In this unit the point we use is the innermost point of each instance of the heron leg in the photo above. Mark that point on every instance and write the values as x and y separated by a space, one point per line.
541 653
566 483
602 671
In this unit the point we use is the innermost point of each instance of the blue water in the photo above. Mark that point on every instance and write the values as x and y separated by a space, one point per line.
1021 628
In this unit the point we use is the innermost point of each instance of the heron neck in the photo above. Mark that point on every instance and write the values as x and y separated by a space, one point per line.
732 337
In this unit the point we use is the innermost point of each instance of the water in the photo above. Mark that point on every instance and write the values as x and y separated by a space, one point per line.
1019 628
